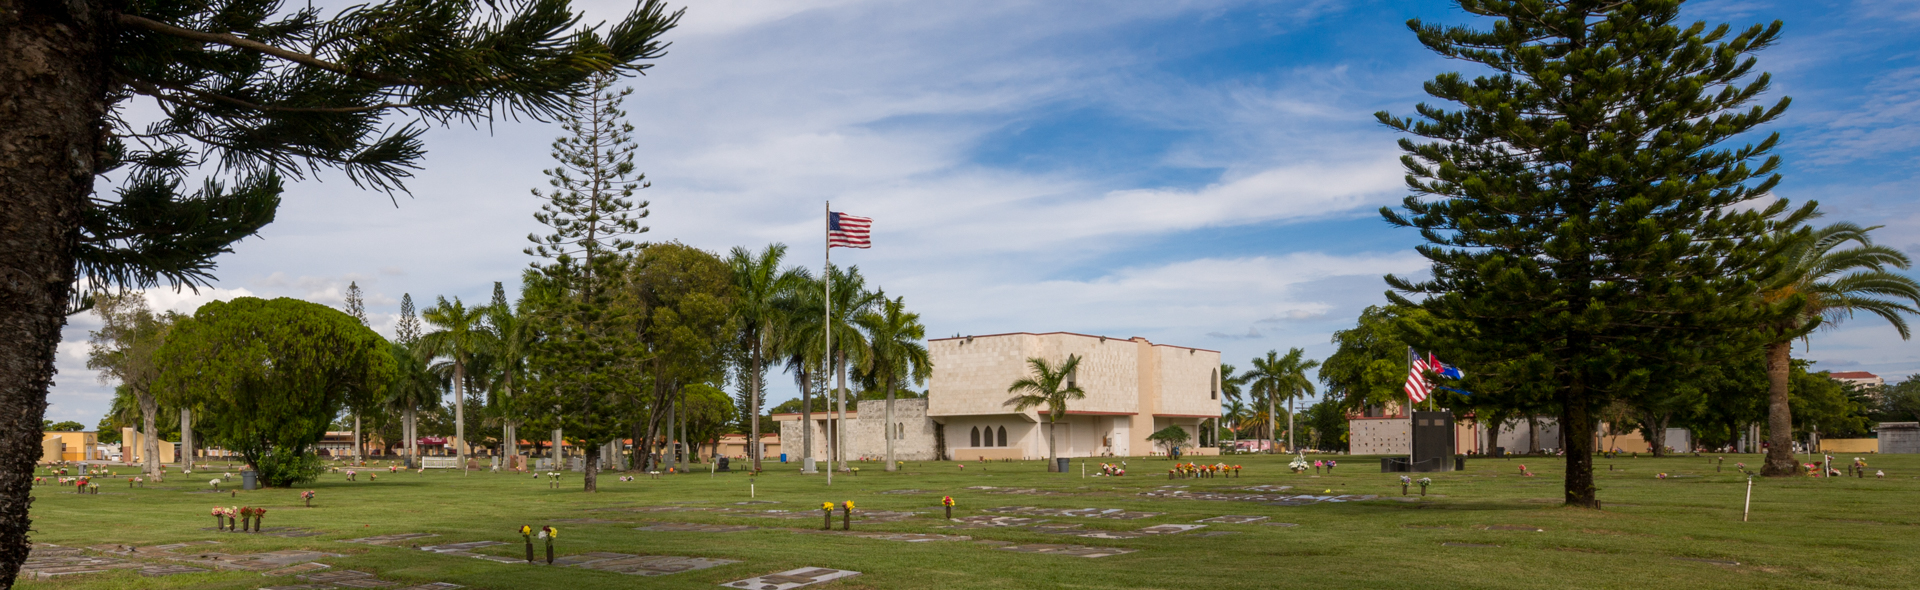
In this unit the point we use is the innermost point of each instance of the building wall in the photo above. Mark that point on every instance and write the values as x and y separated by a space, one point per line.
73 446
1133 388
1379 436
1899 437
133 449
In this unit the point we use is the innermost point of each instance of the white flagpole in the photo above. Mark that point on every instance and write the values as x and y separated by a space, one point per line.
827 326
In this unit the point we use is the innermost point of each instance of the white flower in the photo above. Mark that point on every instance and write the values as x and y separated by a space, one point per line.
213 482
543 534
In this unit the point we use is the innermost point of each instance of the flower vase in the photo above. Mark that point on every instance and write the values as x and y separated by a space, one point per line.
949 513
1423 490
1403 489
219 523
846 519
246 522
529 550
829 523
549 552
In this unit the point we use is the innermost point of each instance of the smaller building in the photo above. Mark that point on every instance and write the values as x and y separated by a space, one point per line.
1860 378
69 446
735 445
1899 437
133 447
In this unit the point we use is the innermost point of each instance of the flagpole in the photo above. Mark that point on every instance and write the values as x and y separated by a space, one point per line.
1411 408
827 327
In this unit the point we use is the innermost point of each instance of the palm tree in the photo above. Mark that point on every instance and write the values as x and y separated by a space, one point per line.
511 335
413 388
761 294
460 337
1231 385
1052 387
1833 283
850 298
1274 378
1234 414
895 354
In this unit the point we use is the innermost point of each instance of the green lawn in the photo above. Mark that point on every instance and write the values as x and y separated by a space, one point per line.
1851 533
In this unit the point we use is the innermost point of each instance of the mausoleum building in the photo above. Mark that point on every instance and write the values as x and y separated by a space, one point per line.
1133 388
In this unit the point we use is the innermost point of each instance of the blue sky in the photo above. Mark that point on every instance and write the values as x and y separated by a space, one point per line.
1199 173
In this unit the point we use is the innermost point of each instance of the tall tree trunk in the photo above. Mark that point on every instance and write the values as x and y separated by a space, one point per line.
673 451
1053 452
888 427
1290 445
753 405
186 440
150 439
1493 432
356 436
1576 419
1533 433
460 413
840 429
806 422
51 101
1779 415
413 441
592 479
559 456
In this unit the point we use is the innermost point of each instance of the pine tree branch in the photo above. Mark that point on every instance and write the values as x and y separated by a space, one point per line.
154 89
285 54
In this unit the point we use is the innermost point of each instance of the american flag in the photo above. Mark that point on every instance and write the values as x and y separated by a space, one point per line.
1417 386
847 231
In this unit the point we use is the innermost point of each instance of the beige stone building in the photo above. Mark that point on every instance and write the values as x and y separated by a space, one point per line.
1134 388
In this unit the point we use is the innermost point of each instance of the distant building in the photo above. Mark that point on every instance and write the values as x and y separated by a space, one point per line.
1860 378
69 446
1134 388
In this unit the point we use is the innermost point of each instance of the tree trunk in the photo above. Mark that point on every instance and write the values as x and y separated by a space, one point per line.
52 100
1575 419
888 427
753 405
806 422
1053 452
186 440
356 435
592 480
1290 446
672 452
1493 432
1654 426
1533 433
840 429
1273 419
150 439
557 455
413 451
1779 415
460 413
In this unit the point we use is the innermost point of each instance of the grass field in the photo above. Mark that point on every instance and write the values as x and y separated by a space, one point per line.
1804 533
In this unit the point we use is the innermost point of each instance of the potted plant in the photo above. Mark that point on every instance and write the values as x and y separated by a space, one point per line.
308 497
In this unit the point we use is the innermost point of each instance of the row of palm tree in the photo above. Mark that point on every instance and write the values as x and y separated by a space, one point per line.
784 319
1274 379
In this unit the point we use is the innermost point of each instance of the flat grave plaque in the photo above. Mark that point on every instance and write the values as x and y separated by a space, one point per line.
592 521
1169 529
1069 550
1712 561
297 569
466 547
586 558
433 586
985 521
1515 527
790 579
653 565
694 527
1233 519
1280 524
390 540
1215 534
1481 545
902 492
366 583
302 587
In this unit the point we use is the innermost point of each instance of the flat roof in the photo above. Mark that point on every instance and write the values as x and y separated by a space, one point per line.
1069 334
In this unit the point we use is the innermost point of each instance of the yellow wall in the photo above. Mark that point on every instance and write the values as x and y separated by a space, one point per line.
133 449
1849 445
73 446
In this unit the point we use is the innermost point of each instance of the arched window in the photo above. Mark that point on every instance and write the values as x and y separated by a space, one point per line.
976 436
1003 436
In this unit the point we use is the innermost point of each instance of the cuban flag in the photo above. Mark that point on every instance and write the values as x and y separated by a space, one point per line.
1443 369
847 231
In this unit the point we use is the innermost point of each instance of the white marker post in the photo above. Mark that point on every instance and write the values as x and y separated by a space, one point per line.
1749 509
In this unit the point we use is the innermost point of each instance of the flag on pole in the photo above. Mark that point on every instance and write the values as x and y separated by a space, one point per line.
847 231
1417 386
1443 369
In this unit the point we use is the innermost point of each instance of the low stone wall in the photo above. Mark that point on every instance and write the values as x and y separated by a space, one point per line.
1849 445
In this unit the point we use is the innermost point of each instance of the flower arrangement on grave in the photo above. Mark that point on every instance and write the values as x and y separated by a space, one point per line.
526 533
1661 475
93 488
1299 464
1880 473
352 475
1524 472
1317 465
233 521
215 482
1424 482
226 477
373 476
1332 464
259 515
947 501
308 497
219 518
1740 466
1404 482
846 516
827 507
246 518
549 534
